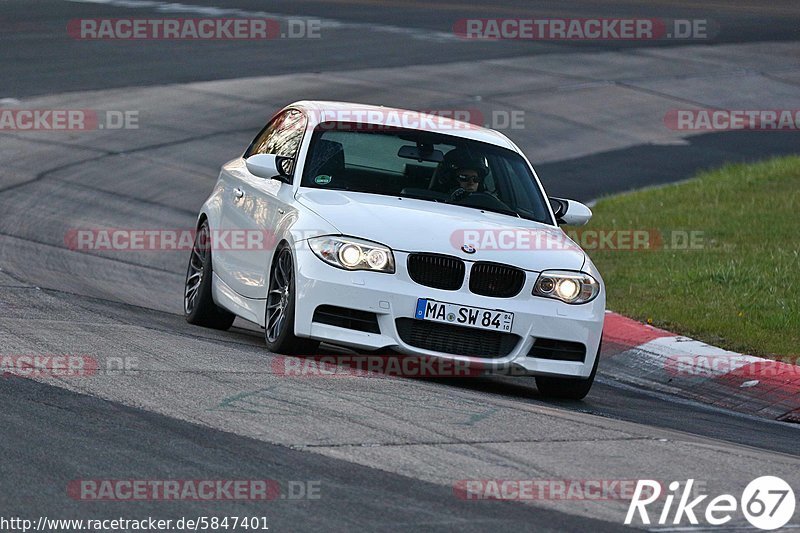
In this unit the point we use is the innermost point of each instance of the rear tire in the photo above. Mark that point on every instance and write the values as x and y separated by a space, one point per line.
279 321
568 388
198 304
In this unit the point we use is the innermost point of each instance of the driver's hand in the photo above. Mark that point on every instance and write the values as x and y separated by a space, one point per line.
458 194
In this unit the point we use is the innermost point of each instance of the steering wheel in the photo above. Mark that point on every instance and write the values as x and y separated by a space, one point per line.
482 200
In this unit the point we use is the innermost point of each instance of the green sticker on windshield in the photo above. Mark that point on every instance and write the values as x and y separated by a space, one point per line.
322 179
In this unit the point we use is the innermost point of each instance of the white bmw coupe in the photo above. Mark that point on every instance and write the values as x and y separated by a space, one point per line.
391 229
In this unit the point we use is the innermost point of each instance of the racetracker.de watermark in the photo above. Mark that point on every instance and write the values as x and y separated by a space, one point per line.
12 119
441 119
713 365
733 119
617 239
377 366
193 29
65 365
48 365
193 489
584 29
396 365
545 489
153 239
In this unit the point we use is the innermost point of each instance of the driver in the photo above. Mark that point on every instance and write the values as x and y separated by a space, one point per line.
464 173
468 180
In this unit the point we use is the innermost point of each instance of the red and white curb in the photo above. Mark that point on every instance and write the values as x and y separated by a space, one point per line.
643 355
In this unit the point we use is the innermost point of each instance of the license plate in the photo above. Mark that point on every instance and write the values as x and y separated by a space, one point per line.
463 315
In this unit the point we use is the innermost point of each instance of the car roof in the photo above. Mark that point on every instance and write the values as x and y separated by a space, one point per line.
388 116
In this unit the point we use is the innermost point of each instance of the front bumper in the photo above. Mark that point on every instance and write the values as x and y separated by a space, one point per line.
392 296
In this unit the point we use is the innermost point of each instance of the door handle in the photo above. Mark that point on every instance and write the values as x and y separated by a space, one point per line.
238 193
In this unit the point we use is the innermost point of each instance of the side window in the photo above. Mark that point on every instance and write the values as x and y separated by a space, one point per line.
282 136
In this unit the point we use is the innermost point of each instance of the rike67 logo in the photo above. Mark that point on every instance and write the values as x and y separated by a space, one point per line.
767 503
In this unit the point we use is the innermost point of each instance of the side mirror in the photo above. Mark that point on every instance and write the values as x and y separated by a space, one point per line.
270 166
570 212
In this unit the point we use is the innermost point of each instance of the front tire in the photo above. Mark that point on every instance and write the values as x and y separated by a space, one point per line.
568 388
279 322
198 304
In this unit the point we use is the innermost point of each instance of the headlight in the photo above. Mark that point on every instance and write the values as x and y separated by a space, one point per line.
353 254
569 287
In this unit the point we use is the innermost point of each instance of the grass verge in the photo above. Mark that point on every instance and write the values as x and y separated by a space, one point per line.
727 268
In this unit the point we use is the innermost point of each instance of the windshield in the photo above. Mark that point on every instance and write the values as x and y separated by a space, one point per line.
424 165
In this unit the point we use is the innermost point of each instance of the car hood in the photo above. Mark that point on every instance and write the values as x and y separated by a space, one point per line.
410 225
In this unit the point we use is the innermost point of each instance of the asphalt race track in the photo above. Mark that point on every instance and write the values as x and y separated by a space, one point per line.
384 452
